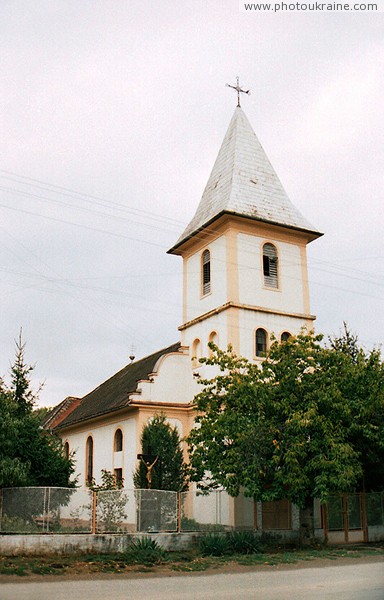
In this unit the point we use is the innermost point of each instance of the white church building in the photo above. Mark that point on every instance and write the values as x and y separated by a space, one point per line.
244 279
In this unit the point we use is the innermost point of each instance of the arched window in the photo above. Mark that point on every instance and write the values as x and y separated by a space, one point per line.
196 353
206 272
285 336
261 342
270 271
214 338
66 450
118 442
89 459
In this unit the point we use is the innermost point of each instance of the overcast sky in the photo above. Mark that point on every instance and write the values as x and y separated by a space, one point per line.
112 116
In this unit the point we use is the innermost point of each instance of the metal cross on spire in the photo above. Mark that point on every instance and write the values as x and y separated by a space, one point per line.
238 90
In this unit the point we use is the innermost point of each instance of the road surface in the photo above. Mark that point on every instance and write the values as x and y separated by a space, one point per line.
348 582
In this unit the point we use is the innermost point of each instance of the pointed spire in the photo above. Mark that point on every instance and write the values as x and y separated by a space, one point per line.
244 183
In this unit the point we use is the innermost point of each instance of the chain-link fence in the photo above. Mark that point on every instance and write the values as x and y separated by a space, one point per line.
354 511
208 512
375 509
74 510
136 510
156 510
45 509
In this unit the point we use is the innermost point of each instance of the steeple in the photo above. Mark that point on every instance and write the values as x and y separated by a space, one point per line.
244 183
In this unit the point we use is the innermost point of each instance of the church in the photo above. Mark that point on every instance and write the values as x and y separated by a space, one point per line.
244 280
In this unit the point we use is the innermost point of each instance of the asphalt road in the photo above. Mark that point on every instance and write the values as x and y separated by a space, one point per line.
349 582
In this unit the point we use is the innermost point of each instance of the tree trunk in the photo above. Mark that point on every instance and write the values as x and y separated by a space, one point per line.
307 527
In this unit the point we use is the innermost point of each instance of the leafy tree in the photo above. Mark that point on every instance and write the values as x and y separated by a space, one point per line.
160 439
108 482
29 455
111 502
363 385
288 429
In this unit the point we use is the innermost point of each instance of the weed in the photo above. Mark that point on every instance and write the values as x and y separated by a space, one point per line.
144 551
194 566
244 542
214 545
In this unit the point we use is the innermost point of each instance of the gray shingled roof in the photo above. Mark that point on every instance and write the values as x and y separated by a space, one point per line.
243 182
113 393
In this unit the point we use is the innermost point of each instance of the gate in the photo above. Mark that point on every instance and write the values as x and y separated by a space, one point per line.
345 519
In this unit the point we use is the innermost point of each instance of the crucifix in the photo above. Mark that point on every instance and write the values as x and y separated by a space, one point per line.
149 460
238 90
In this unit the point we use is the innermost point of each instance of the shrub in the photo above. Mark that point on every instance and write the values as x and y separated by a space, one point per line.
213 545
244 542
144 551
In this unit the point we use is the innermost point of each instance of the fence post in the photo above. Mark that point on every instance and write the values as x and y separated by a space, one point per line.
94 506
324 519
364 517
254 514
178 512
1 507
345 517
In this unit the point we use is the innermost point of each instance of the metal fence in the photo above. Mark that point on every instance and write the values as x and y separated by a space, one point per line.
354 511
136 510
45 509
74 510
208 512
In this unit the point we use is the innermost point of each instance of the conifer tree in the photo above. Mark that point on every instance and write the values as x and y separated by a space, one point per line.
162 440
29 455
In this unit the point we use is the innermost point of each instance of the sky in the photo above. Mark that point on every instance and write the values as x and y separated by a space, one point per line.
112 116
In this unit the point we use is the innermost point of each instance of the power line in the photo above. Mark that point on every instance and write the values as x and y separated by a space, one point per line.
86 197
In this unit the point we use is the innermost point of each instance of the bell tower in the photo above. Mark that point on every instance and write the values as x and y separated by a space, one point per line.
244 254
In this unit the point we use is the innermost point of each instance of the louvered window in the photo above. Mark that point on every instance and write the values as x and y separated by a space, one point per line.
261 342
206 273
270 266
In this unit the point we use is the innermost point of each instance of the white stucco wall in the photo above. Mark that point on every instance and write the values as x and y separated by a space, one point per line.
289 296
249 321
173 381
196 303
104 456
202 330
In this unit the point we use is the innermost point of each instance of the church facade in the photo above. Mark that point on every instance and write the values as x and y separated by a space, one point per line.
245 281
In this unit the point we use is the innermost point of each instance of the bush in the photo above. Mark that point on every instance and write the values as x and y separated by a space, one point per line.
244 542
213 545
144 551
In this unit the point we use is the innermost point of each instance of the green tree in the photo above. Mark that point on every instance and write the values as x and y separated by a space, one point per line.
111 502
29 455
20 388
160 439
286 429
13 472
363 385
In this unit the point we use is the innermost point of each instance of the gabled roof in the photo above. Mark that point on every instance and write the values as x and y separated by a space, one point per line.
114 393
244 183
59 412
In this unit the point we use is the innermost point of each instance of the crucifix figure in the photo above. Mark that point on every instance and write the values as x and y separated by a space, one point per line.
149 461
238 90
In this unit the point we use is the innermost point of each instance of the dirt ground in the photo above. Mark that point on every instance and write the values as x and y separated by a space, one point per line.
83 570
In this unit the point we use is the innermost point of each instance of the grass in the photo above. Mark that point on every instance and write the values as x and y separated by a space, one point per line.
148 558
